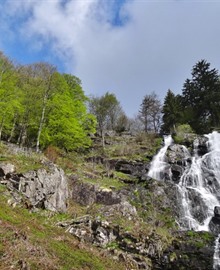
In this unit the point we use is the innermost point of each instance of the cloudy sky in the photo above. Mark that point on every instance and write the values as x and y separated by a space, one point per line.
127 47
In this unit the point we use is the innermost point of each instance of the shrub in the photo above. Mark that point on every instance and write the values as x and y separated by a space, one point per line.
184 133
52 153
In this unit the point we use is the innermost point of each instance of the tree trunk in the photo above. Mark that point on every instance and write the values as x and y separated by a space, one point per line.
103 137
41 125
13 128
23 133
1 127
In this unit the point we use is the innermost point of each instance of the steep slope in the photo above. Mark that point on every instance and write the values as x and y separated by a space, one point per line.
33 241
116 216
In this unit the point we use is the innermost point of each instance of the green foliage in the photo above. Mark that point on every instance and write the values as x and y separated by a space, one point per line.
184 133
112 245
201 97
34 239
171 112
9 95
68 123
41 107
108 113
198 105
200 239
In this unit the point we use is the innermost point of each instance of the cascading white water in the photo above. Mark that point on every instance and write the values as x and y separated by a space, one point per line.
216 257
158 164
198 187
195 182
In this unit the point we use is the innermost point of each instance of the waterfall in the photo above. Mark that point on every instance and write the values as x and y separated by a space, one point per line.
158 166
198 187
216 257
201 180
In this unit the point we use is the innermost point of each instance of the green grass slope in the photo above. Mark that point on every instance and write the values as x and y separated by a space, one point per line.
33 241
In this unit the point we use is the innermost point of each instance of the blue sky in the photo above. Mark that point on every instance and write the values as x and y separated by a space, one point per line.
127 47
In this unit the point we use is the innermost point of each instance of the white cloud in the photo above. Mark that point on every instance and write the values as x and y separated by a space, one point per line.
153 51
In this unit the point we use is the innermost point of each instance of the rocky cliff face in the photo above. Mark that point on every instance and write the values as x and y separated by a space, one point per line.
45 188
136 224
189 250
157 201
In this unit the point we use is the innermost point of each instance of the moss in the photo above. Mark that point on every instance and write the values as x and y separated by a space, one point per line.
173 257
120 176
205 236
112 245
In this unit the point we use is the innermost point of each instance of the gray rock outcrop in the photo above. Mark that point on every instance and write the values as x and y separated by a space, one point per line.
214 224
47 189
88 194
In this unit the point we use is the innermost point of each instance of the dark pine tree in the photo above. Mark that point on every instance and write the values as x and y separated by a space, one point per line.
201 98
171 112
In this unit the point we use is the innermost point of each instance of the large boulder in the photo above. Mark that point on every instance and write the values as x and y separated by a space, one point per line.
214 224
46 188
135 168
177 154
189 250
200 145
88 194
6 169
43 188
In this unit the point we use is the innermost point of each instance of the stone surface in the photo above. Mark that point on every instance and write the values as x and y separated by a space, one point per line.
88 194
190 250
6 169
214 224
200 143
217 211
124 209
134 168
47 189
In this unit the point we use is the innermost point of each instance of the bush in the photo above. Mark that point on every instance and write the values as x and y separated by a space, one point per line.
52 153
184 133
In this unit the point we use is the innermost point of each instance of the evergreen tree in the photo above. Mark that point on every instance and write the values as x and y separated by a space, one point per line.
201 98
171 112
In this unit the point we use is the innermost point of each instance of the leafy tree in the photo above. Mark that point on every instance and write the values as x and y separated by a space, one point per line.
106 109
46 73
27 122
150 113
123 123
171 112
68 124
201 98
41 106
136 125
184 134
9 95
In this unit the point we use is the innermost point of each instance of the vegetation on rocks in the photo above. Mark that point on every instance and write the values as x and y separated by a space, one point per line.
116 218
33 240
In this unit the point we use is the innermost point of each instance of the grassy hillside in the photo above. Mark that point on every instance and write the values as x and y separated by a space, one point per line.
32 241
